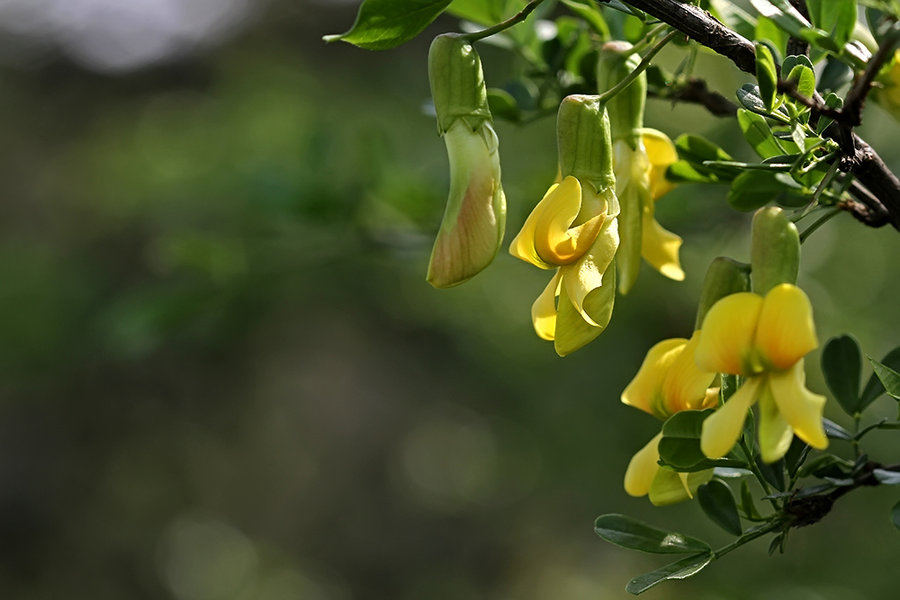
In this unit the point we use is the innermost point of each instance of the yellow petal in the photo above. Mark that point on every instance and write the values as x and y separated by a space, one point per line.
711 400
727 335
587 274
786 332
669 487
722 429
543 311
642 468
798 406
685 384
775 434
660 247
661 153
572 331
555 240
645 390
522 246
633 191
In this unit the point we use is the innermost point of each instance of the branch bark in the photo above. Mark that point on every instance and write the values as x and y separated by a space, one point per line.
859 159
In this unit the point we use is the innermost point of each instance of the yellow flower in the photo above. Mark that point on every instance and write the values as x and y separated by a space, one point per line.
763 339
668 381
571 230
640 182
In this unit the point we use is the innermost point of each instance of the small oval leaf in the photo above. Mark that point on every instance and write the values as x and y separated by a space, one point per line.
718 503
681 569
841 365
626 532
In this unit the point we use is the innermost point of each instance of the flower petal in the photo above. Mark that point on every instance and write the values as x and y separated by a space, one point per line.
661 153
633 192
572 331
543 311
786 332
722 429
685 384
775 434
522 246
475 217
642 468
727 333
669 487
555 239
800 408
587 274
660 247
645 390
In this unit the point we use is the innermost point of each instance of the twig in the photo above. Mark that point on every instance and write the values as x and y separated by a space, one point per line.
695 91
513 20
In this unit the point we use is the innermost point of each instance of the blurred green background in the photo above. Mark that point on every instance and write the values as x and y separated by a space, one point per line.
223 376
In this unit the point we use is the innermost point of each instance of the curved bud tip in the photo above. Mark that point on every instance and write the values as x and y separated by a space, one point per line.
475 216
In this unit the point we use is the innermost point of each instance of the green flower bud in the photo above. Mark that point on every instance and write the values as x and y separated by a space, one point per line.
457 83
475 218
774 250
723 278
584 142
626 109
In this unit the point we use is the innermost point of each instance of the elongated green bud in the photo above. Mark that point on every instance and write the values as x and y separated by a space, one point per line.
774 250
457 83
584 142
723 278
626 109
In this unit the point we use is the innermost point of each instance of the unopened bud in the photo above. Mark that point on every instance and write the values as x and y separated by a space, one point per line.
626 109
774 250
457 82
723 278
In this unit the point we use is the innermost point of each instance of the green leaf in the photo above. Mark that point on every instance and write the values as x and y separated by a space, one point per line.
753 189
698 149
384 24
747 504
796 456
484 12
681 569
679 447
886 477
758 134
768 32
895 515
718 503
841 365
503 105
626 532
766 76
735 17
804 78
889 378
748 95
874 388
835 431
837 17
588 10
772 472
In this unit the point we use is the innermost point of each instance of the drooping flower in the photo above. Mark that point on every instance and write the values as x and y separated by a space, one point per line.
668 381
573 229
641 157
475 217
764 340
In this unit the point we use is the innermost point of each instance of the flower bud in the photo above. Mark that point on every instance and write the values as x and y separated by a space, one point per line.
723 278
475 217
626 109
584 142
457 82
774 250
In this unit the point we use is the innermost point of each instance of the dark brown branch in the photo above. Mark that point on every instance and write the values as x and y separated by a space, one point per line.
699 25
797 46
859 158
695 91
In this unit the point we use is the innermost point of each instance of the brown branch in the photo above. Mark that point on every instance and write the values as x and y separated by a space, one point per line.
797 46
695 91
859 158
